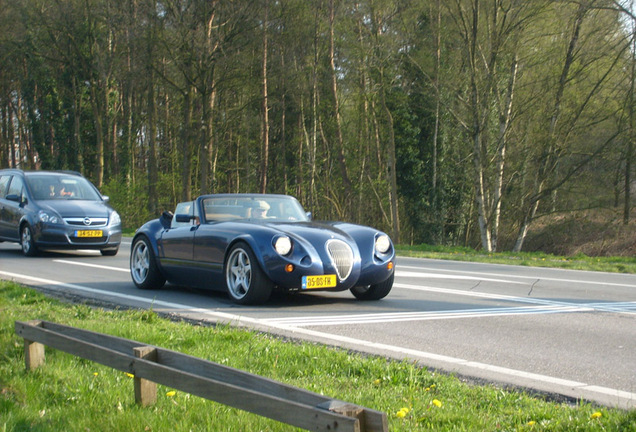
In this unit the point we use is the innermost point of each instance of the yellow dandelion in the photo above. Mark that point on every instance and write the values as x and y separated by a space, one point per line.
129 375
95 373
171 393
532 423
377 382
437 403
597 414
402 412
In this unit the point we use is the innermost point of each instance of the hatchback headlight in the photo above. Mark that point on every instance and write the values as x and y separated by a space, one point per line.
47 217
114 218
382 244
283 245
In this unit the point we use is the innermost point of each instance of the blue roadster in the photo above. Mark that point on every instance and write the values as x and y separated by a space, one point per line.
252 244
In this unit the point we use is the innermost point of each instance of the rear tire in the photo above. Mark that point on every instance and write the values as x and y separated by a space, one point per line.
26 241
374 292
245 281
143 266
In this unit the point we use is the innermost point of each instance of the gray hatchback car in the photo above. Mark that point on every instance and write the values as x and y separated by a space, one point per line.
56 210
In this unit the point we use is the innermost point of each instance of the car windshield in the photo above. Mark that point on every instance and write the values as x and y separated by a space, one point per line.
61 187
271 208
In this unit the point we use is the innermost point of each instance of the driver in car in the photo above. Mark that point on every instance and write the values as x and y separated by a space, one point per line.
59 192
259 211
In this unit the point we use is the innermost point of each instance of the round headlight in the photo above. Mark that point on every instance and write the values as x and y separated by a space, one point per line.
283 245
382 244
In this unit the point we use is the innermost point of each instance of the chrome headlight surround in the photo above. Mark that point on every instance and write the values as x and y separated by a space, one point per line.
382 244
49 218
283 245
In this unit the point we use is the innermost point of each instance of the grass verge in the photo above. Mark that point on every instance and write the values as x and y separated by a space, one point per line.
615 264
73 394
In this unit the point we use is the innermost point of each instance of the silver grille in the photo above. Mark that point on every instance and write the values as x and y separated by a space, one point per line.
341 256
87 222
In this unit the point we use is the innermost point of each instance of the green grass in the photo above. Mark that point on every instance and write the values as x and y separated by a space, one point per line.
73 394
531 259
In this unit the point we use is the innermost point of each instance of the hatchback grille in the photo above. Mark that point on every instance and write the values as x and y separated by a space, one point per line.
92 222
88 240
341 256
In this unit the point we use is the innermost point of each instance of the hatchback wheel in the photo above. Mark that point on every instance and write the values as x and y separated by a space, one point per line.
110 252
26 240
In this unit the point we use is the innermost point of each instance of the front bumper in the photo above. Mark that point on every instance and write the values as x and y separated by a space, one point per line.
369 274
69 237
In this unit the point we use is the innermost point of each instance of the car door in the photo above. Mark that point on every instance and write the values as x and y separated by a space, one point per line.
4 188
12 209
177 244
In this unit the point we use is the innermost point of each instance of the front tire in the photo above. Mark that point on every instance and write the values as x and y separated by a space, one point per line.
143 267
374 292
26 241
110 252
246 282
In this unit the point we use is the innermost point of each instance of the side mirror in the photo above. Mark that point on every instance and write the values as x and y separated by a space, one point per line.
165 219
106 198
16 198
309 215
184 218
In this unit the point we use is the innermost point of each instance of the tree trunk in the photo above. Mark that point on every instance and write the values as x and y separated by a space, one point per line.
265 131
628 179
395 218
153 199
99 135
186 146
632 135
336 111
504 123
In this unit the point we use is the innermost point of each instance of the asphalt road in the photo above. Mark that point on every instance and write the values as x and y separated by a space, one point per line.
559 332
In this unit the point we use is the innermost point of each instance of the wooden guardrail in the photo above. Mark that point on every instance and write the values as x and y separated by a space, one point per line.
151 365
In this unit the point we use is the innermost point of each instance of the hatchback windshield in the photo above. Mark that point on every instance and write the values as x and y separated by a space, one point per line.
61 187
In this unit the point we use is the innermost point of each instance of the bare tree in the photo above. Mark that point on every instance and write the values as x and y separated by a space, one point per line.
490 31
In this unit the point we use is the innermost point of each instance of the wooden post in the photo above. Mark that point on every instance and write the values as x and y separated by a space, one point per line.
34 356
347 409
145 391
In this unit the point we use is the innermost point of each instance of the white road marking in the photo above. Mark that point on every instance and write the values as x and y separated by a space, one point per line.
103 267
477 277
402 273
420 316
626 399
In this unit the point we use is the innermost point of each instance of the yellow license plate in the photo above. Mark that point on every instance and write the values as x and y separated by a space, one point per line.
323 281
88 233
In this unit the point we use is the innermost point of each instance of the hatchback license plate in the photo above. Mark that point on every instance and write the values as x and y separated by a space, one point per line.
88 233
323 281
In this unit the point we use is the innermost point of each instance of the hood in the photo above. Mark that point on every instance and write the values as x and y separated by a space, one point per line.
77 208
312 231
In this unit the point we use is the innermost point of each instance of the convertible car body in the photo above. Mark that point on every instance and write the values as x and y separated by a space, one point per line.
252 244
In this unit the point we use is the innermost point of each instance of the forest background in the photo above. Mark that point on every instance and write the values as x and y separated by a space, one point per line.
459 122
